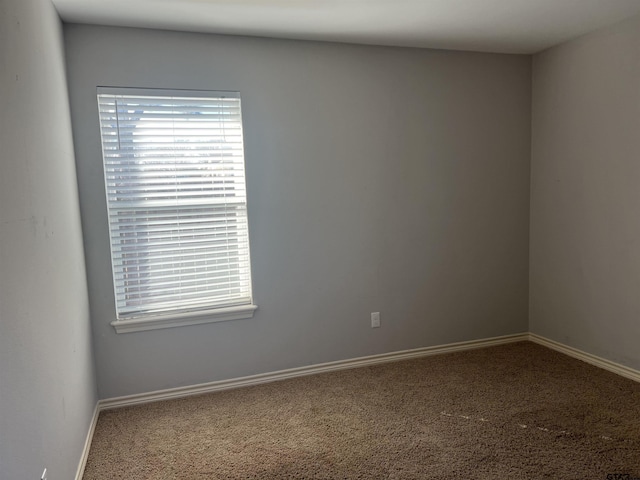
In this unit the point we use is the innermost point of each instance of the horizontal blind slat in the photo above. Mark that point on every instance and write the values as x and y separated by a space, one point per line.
195 305
164 256
186 284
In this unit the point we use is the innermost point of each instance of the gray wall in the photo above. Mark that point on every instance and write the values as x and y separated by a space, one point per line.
379 179
47 385
585 194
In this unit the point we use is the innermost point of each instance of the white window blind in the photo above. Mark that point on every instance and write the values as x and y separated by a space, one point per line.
176 197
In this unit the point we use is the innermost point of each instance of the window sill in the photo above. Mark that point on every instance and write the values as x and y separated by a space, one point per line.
181 320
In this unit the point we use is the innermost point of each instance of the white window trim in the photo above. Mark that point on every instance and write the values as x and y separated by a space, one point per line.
188 318
185 318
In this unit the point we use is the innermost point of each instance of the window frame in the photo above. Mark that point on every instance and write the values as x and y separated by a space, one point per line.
179 316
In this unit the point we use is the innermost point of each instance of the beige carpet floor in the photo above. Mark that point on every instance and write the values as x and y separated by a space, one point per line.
518 411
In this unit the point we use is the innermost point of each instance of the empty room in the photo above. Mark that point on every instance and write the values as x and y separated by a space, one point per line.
291 239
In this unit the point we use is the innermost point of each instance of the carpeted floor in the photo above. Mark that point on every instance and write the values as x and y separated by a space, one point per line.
517 411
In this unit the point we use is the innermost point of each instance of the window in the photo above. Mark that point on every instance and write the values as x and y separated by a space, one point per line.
177 206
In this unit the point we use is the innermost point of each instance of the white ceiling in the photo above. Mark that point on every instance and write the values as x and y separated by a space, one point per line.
507 26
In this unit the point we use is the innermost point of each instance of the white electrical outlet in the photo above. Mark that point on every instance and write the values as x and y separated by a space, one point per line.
44 475
375 319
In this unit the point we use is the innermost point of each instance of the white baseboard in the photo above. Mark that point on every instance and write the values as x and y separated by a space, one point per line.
614 367
87 442
220 385
303 371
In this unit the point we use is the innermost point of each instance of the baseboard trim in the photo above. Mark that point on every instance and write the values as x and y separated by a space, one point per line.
87 442
180 392
614 367
221 385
